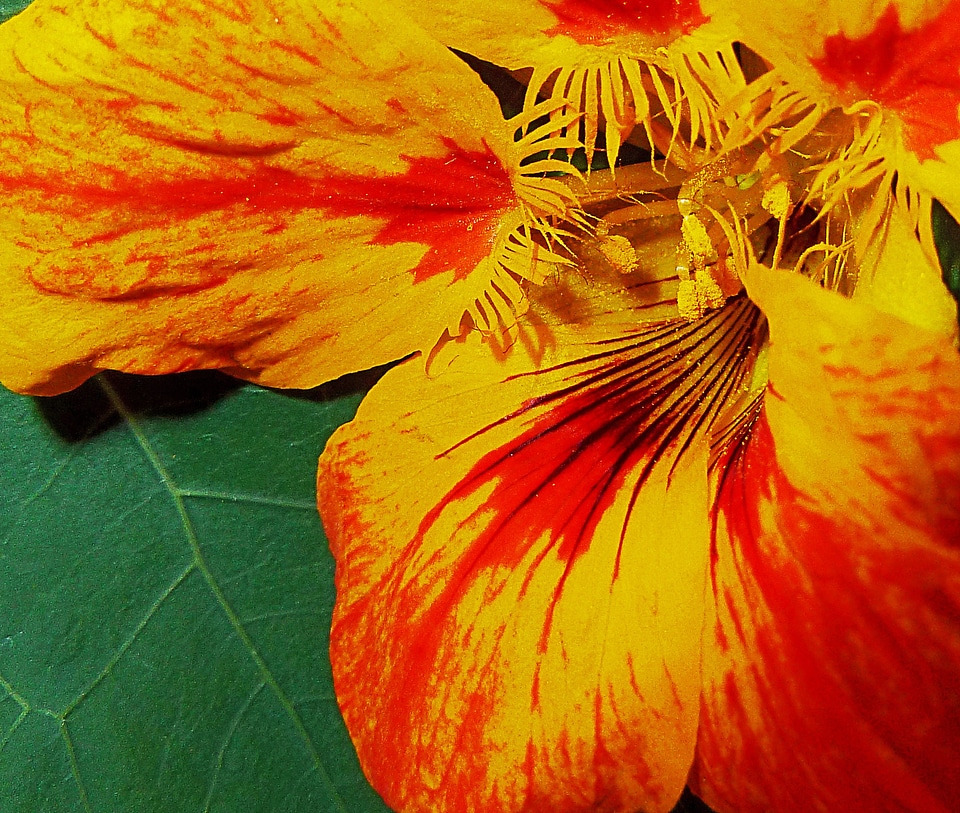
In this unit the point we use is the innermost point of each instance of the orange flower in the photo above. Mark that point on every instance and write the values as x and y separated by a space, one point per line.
566 582
701 522
671 491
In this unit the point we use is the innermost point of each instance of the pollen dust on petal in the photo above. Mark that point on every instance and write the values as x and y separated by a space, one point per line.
914 73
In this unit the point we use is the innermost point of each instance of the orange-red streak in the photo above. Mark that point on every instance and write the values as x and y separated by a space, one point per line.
452 203
829 645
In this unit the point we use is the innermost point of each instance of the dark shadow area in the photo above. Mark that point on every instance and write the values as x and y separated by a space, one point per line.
946 232
510 92
690 804
349 384
87 410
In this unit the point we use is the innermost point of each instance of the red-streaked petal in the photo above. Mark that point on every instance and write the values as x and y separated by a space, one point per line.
520 549
286 190
588 21
900 55
832 658
526 649
914 72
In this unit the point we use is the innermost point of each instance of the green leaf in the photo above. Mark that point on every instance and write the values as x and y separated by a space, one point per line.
8 8
165 600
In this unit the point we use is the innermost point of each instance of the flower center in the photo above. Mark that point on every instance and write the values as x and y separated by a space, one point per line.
745 206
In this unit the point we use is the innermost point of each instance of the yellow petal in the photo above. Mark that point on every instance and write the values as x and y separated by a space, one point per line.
832 654
520 544
528 33
286 191
900 279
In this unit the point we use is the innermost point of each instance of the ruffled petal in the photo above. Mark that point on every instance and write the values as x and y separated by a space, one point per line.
832 655
520 545
900 56
286 190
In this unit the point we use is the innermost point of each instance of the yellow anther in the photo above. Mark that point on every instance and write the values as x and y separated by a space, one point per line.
698 295
619 253
708 291
776 200
696 239
688 303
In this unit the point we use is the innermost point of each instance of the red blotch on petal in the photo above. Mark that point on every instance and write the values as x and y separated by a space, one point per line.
453 204
592 21
550 486
558 476
916 73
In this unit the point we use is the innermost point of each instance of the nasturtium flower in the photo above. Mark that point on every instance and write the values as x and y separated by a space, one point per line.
667 491
701 522
569 579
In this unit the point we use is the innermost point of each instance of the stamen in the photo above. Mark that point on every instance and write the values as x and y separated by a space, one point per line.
776 200
695 238
740 153
698 295
619 253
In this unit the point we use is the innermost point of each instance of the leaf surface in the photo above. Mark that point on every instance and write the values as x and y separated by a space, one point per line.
165 599
946 232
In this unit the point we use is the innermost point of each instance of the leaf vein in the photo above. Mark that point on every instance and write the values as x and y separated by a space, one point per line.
13 728
230 733
59 470
12 692
25 709
122 649
268 676
252 499
176 495
274 614
74 768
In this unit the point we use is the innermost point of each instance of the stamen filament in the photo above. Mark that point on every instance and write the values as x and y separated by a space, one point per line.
781 235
